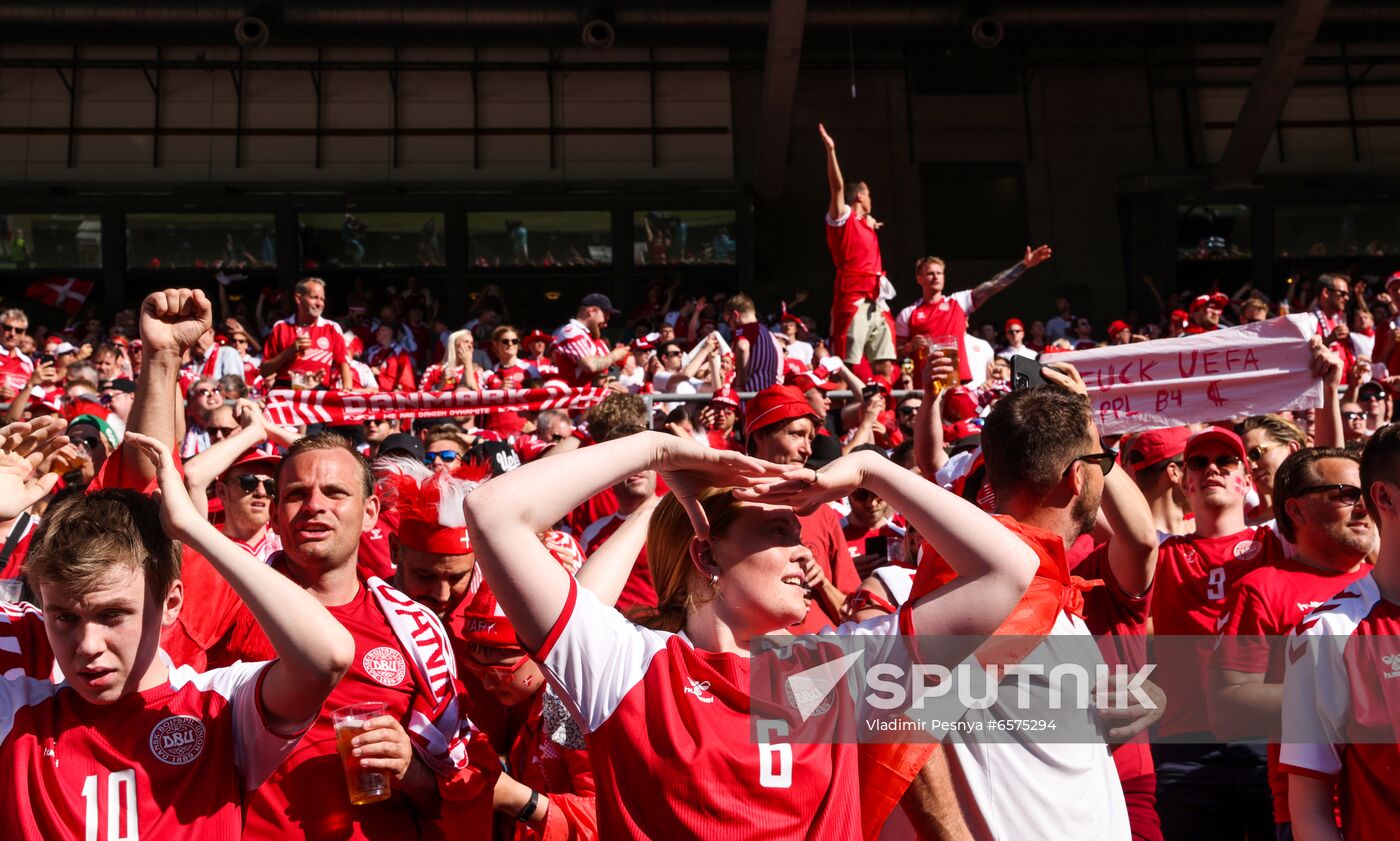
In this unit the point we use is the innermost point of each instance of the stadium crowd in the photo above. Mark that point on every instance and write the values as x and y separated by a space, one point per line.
538 622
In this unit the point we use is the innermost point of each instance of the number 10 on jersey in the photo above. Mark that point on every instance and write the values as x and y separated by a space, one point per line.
119 803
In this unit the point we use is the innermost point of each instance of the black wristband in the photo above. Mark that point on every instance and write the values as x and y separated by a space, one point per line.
528 811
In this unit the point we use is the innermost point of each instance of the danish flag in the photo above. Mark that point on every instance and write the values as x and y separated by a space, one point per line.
65 293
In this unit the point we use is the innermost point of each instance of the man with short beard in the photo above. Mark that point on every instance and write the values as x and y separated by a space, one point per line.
579 349
1318 503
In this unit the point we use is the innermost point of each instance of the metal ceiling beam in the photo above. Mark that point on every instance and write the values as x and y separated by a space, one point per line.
1292 38
781 62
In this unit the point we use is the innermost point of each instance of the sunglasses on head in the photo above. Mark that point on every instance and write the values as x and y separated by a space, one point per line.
1225 462
1345 494
249 483
1104 459
448 456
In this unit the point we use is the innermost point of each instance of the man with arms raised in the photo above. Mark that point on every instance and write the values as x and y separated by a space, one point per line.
127 742
936 314
1317 498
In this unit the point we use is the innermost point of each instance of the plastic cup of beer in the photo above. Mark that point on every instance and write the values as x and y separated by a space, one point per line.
948 346
365 785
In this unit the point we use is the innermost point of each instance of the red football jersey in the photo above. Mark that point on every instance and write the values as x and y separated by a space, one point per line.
15 369
325 356
1341 706
550 756
1264 606
215 628
948 317
434 379
306 797
639 591
572 343
857 536
395 368
821 532
674 722
173 762
855 249
24 647
508 377
1194 574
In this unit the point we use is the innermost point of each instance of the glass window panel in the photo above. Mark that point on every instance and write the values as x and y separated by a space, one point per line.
371 240
50 241
1213 232
201 241
542 238
1332 230
682 237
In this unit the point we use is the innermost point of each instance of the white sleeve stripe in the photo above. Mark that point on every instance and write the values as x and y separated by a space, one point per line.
836 223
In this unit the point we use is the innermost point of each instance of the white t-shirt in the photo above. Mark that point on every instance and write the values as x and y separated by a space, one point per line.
979 355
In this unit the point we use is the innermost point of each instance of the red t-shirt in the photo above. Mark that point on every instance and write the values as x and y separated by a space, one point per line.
550 756
508 377
639 591
855 250
373 556
945 318
678 726
325 356
1194 574
215 628
306 797
176 761
395 368
15 369
1260 610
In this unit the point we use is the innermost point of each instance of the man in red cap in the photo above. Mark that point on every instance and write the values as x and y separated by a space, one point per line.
719 418
1177 323
779 426
1206 311
1155 457
1205 787
936 314
1119 333
1016 341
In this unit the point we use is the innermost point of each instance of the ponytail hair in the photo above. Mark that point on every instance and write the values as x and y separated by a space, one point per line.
680 588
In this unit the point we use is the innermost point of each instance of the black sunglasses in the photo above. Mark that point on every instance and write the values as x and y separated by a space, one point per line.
1104 459
509 342
249 483
1354 415
1226 462
1345 494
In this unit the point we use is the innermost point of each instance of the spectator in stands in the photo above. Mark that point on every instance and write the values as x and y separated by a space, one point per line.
579 349
1206 311
457 371
445 445
860 324
758 357
118 395
935 314
1156 459
1060 325
1016 341
388 361
15 366
305 350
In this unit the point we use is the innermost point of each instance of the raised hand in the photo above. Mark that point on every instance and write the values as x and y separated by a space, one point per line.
1034 257
22 447
688 468
826 138
178 515
174 319
1065 376
805 489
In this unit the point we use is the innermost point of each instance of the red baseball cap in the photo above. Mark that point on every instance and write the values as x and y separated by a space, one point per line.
775 404
819 377
727 396
1393 280
882 384
537 336
1158 445
960 404
270 460
1013 322
1118 327
1219 300
1180 317
1217 435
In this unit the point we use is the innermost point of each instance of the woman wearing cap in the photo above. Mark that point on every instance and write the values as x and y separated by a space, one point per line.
667 708
457 371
